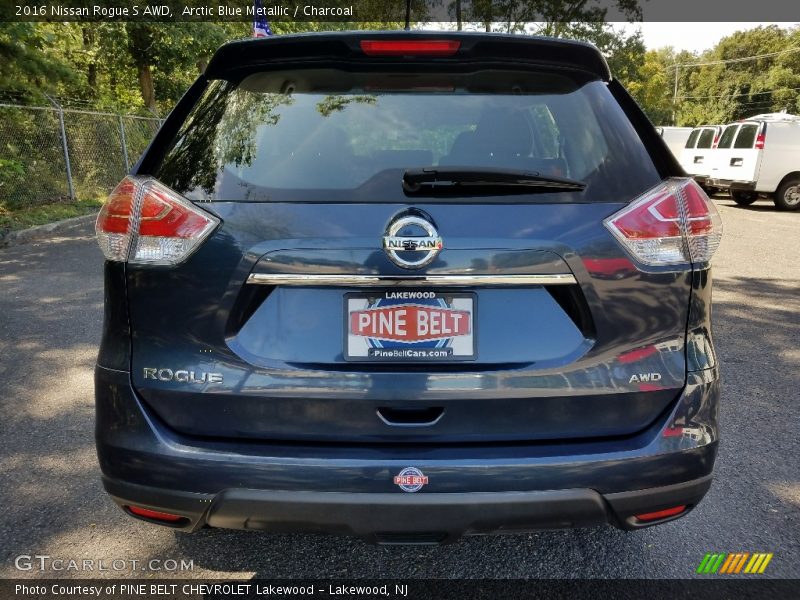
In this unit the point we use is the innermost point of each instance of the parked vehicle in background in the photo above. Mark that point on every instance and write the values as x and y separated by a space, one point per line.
760 155
695 158
675 138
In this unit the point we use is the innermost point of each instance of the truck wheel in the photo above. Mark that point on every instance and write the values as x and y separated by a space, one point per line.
787 197
743 198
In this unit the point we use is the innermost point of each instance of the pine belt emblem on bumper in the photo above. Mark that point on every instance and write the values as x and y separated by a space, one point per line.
411 479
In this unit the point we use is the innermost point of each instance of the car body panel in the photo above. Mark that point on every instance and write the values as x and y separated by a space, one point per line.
741 161
538 362
697 160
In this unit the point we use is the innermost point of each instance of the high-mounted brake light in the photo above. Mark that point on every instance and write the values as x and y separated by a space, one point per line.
144 221
673 223
410 47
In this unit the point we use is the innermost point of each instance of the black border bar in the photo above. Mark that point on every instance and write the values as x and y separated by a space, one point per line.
474 12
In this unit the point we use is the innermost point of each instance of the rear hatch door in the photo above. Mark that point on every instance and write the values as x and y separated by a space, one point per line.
528 322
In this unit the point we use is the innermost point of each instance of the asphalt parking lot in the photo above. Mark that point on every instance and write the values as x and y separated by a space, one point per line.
53 503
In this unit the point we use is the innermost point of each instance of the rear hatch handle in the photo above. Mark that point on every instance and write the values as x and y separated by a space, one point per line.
411 417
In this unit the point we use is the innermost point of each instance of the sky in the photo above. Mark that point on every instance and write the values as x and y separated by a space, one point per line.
694 37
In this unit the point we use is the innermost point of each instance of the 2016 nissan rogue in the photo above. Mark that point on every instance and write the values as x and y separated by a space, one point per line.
407 286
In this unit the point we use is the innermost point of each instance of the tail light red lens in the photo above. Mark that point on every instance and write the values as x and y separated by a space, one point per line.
661 514
143 221
410 47
673 223
760 139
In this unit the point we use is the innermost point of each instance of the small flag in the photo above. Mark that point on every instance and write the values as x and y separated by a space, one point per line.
260 25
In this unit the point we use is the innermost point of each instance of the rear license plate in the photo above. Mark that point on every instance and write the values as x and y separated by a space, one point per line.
409 326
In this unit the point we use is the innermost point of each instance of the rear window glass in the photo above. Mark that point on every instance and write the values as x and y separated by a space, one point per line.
329 135
746 137
706 138
692 138
726 139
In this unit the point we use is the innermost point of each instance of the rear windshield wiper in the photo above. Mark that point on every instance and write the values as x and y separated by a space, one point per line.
484 181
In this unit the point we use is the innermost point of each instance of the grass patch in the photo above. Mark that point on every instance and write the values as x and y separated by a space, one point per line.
12 219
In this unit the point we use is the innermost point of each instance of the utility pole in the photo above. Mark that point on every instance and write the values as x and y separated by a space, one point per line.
408 15
675 99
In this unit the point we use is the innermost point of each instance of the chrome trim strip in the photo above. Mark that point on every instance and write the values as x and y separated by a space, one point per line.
409 280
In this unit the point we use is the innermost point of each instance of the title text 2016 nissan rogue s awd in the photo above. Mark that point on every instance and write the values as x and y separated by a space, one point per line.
407 286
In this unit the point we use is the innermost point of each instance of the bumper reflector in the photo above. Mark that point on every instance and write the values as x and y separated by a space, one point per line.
154 514
662 514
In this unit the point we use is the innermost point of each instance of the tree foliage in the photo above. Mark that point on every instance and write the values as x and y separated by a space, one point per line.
146 67
26 67
733 86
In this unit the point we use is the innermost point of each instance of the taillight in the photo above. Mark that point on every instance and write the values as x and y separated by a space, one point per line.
760 138
673 223
410 47
715 142
144 221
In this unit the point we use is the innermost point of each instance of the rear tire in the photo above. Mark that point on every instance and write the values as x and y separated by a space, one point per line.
743 198
787 197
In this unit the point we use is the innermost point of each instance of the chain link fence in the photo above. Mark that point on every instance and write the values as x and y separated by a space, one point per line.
50 154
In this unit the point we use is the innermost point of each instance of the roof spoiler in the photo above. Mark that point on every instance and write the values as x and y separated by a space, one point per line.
237 58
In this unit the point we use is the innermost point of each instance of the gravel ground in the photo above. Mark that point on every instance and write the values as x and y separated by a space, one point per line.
53 503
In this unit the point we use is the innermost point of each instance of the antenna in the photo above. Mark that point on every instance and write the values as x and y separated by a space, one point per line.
408 15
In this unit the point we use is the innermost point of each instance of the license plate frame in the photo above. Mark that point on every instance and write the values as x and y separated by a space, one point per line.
461 347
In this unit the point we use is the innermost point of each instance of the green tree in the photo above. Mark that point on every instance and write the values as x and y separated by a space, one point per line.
653 86
26 67
735 86
573 19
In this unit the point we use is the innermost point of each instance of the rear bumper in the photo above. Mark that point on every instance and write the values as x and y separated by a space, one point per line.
728 184
472 489
413 518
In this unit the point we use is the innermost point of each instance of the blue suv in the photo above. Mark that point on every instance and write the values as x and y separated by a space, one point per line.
407 286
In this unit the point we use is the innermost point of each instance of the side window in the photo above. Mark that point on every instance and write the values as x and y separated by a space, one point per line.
692 138
747 136
726 139
706 138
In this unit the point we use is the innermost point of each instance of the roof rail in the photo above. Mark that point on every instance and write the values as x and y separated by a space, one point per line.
778 116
